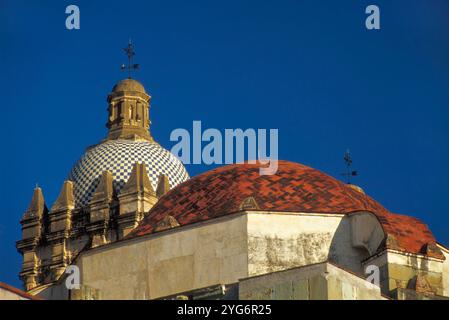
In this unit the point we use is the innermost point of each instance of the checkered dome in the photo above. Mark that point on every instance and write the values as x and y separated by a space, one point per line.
119 157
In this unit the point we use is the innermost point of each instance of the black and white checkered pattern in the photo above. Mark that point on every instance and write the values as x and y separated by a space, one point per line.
119 157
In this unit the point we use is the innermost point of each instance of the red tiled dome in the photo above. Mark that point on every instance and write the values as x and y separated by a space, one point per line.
294 188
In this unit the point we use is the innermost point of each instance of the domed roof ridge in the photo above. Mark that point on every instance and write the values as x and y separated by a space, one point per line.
128 85
293 188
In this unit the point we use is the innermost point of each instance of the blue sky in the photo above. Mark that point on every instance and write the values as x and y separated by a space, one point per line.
309 68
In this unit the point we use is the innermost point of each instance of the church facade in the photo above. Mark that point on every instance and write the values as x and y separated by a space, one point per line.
136 226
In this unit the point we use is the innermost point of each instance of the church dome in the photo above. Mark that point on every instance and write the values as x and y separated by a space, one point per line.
293 188
129 85
119 157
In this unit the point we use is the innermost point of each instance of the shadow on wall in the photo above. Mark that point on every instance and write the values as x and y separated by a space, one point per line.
357 237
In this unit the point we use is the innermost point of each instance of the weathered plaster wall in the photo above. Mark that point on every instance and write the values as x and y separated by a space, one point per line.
171 262
402 268
282 241
397 270
321 281
445 272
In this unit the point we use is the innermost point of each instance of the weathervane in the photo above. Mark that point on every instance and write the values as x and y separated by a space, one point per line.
129 50
349 173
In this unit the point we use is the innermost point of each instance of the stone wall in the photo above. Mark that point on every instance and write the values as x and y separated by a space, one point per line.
282 241
322 281
445 271
400 270
173 261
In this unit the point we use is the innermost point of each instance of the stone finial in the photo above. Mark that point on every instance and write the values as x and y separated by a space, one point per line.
432 250
105 189
249 203
37 205
31 235
163 186
136 198
60 215
65 199
138 181
100 210
168 222
356 188
31 222
391 242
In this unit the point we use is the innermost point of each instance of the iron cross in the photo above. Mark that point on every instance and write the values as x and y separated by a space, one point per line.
349 173
129 50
